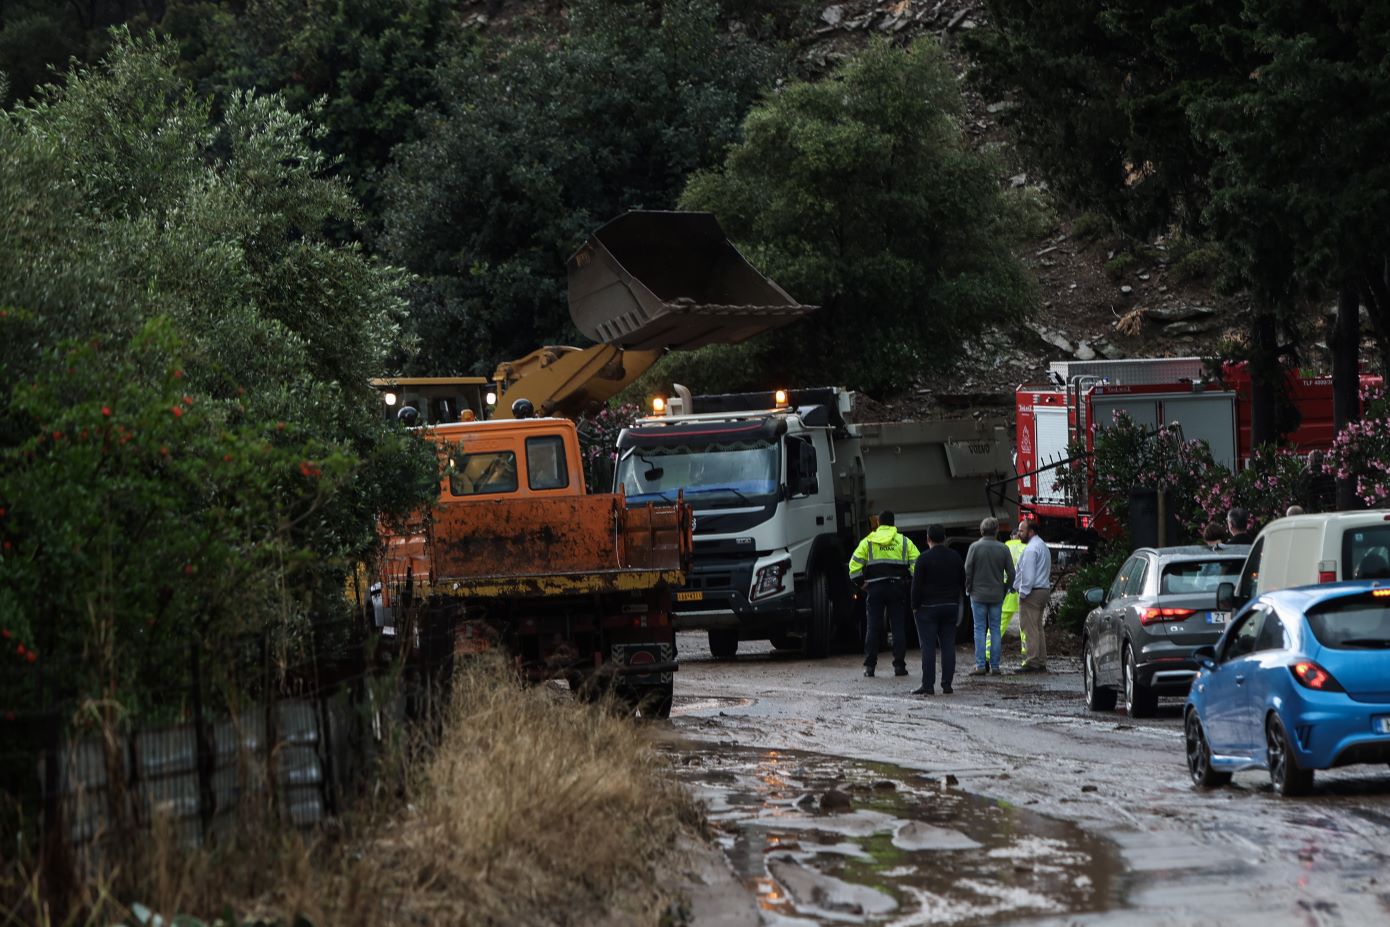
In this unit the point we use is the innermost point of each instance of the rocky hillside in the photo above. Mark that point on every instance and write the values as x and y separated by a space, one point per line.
1098 295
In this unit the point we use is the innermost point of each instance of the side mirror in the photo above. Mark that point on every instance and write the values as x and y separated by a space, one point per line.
1095 596
1206 655
1226 596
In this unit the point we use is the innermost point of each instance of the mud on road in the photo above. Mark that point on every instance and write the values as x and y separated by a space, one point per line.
1132 841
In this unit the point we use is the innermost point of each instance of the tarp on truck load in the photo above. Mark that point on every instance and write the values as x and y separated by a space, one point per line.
653 280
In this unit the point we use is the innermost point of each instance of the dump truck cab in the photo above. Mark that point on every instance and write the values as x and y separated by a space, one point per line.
517 555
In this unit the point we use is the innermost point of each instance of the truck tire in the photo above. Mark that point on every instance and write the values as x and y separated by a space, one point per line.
785 642
820 625
655 704
723 643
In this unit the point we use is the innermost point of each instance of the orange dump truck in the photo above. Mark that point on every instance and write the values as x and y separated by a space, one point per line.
517 555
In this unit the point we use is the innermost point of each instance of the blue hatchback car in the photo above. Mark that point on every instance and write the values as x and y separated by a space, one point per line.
1299 681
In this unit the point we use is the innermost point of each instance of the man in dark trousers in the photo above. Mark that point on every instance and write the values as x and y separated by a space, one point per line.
884 561
938 591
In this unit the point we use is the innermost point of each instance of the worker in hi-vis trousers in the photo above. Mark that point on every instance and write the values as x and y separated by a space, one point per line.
1010 606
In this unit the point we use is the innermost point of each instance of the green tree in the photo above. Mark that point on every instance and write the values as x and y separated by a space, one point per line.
178 314
858 194
1116 104
538 142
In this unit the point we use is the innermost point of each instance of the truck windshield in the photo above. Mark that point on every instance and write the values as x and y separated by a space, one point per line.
739 472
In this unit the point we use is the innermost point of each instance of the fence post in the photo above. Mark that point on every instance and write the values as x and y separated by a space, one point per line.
206 760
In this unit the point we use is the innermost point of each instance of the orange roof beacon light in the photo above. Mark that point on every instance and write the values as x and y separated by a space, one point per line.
658 405
780 398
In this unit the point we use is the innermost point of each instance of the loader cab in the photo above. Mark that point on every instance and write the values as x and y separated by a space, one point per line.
438 400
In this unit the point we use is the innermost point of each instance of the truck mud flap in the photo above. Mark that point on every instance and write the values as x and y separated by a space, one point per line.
645 664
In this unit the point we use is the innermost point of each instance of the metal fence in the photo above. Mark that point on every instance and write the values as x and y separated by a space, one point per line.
299 756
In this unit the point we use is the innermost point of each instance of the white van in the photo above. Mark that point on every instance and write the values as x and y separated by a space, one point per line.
1306 549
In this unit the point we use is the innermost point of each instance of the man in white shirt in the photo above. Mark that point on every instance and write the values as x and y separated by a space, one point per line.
1033 580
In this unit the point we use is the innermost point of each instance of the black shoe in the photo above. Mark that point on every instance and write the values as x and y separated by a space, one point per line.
921 690
900 671
946 690
868 671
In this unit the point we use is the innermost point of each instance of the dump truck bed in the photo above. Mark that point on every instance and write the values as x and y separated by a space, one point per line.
556 546
654 280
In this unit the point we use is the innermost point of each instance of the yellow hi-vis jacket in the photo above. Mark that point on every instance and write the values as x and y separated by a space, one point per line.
883 554
1015 547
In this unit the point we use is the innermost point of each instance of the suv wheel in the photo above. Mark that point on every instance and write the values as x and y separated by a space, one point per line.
1140 700
1284 772
1098 697
1199 755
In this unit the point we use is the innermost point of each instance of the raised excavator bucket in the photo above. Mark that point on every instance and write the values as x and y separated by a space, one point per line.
656 280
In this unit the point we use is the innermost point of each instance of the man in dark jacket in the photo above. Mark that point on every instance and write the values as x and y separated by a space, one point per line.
938 589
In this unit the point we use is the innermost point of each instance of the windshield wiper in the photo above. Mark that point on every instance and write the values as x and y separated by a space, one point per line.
1365 642
702 489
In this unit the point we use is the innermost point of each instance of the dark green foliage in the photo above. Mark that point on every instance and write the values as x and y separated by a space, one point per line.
1099 571
538 143
177 314
363 67
857 194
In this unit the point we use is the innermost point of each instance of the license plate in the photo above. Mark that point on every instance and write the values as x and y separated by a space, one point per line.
1381 724
689 596
1218 617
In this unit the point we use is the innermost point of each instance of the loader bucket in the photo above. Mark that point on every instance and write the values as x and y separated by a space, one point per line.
653 280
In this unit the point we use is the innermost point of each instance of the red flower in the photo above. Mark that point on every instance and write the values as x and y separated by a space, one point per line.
187 399
163 451
19 650
227 458
309 469
178 374
188 569
106 411
279 426
5 633
31 656
178 412
57 436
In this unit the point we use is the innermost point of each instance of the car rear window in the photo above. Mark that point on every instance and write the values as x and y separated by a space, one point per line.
1366 552
1188 577
1353 623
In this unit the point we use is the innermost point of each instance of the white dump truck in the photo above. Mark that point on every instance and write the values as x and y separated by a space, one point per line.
783 486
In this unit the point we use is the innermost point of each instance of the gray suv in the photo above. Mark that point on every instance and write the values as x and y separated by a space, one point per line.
1138 640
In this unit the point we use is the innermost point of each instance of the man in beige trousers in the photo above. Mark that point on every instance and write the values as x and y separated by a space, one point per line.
1033 580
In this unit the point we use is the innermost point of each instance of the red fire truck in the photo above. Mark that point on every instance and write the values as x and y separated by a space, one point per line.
1083 397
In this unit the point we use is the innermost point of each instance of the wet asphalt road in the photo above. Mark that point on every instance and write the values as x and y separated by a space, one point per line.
1234 856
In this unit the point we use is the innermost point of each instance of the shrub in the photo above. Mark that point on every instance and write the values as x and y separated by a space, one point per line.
1362 450
1119 265
1105 562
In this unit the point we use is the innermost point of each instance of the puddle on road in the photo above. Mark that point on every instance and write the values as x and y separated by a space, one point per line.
889 846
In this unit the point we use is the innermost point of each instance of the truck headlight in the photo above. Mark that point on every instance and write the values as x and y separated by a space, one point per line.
768 580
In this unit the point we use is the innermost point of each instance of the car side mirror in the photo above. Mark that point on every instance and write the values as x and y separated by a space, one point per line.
1226 596
1095 596
1205 656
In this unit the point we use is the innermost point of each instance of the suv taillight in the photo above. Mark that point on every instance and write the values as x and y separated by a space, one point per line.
1311 676
1327 571
1155 615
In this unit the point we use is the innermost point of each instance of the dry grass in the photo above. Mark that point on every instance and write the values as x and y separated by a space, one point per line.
531 810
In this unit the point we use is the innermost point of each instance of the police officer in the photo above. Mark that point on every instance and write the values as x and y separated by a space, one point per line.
884 560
